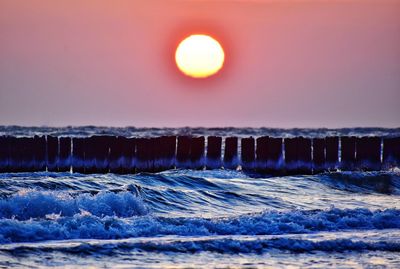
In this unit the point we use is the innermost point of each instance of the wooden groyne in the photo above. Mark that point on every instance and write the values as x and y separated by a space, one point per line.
269 155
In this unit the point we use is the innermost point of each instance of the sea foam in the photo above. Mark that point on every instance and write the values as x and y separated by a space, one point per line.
84 225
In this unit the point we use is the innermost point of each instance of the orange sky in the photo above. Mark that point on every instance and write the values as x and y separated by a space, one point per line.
314 63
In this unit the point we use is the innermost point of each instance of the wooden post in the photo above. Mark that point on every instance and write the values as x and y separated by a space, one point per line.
368 153
298 155
318 155
269 155
145 154
64 156
4 154
38 147
348 153
78 154
165 148
183 152
213 160
52 153
332 153
231 153
122 154
97 154
248 153
197 152
391 152
27 154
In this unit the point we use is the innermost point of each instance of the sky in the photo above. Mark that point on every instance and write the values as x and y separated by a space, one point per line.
289 63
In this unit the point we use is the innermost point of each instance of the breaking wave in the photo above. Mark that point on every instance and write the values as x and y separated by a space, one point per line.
84 225
30 204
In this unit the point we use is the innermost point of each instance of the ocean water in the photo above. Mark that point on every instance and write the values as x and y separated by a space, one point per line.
199 219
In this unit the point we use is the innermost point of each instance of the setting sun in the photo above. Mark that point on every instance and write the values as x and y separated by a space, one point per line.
199 56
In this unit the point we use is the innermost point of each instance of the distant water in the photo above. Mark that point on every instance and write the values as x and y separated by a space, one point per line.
227 131
192 219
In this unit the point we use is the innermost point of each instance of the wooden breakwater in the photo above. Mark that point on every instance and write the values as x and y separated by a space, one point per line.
270 155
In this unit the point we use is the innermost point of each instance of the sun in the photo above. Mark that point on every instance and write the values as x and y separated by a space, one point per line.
199 56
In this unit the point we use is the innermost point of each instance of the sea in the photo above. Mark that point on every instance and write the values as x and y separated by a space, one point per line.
199 218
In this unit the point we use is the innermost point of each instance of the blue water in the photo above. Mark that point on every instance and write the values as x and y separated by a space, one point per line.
199 219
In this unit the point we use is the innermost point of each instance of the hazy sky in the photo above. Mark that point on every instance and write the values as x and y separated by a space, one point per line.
289 63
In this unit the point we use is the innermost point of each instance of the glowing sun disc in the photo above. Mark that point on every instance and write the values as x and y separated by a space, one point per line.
199 56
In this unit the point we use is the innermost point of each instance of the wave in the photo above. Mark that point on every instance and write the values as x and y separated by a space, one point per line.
362 182
229 246
189 193
27 204
87 226
216 244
